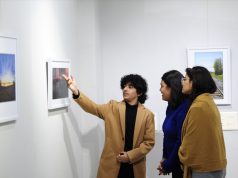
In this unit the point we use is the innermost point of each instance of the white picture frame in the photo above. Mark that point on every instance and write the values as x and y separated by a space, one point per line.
218 62
8 79
58 93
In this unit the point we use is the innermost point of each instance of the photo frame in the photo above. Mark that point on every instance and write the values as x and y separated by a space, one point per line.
58 93
8 79
217 61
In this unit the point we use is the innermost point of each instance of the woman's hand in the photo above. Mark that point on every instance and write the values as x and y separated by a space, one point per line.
161 169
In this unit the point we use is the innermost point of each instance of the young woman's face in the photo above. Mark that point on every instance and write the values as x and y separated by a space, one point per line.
165 91
187 85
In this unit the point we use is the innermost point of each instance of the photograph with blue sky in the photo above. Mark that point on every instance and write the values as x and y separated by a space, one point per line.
207 59
7 77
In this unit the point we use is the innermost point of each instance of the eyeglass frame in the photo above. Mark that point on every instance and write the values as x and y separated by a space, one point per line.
183 79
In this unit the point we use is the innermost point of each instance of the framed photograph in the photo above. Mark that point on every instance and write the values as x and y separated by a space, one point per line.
8 82
58 93
217 61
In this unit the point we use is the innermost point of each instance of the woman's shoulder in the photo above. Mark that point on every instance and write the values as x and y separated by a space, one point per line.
203 100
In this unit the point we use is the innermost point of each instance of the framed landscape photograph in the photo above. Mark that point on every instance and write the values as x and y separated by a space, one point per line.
217 61
58 93
8 82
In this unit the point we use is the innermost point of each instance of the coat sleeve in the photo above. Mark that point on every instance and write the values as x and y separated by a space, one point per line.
173 160
192 136
140 152
91 107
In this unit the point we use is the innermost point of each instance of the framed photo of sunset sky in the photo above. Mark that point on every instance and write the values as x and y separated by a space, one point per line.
8 82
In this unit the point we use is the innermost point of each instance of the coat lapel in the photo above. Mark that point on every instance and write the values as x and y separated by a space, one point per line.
122 112
139 120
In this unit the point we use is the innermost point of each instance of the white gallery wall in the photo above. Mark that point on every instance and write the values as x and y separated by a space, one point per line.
104 39
61 143
150 37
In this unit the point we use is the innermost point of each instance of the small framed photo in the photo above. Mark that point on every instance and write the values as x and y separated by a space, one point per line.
58 93
8 79
217 61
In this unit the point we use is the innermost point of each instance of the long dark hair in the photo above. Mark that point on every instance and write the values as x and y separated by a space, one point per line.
173 79
202 81
138 83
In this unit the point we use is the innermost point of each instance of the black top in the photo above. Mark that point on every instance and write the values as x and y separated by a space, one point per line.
126 169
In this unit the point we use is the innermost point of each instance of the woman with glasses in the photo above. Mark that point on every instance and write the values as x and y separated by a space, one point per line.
202 151
171 90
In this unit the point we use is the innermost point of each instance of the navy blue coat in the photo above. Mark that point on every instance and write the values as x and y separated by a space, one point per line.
172 136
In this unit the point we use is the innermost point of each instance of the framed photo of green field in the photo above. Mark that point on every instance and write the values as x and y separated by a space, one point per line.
217 61
8 82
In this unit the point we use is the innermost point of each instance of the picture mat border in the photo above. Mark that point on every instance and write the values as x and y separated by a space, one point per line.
226 70
56 103
9 109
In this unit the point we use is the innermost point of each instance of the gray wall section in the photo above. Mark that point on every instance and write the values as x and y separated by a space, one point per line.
62 143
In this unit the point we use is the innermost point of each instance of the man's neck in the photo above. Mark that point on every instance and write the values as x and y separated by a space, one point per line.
132 103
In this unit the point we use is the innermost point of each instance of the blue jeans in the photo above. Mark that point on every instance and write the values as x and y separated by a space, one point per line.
213 174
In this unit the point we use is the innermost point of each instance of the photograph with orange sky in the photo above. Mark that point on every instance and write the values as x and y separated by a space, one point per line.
7 77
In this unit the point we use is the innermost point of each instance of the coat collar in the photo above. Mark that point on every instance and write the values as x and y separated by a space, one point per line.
139 120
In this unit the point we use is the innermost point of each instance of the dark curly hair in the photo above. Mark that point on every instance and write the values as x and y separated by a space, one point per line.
173 79
202 81
138 83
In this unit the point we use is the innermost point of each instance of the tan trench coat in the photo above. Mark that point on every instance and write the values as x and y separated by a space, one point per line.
203 147
113 114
